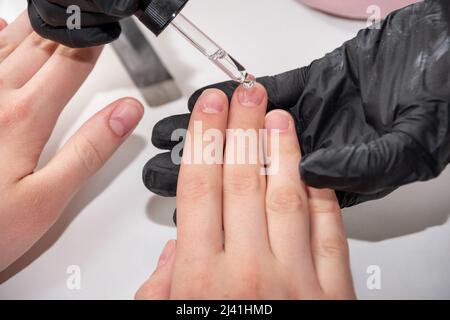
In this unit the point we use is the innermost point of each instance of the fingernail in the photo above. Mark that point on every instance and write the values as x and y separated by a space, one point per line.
211 103
167 253
125 117
3 24
250 97
278 121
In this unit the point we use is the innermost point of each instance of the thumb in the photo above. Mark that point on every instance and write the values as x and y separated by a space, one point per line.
157 287
393 160
88 150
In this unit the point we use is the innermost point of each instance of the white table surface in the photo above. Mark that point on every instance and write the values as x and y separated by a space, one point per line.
115 229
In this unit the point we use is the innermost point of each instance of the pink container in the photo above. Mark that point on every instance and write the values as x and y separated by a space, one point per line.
356 9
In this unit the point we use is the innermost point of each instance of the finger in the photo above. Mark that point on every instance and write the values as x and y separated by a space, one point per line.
157 287
284 90
286 199
12 35
77 38
86 152
329 244
199 193
20 66
244 174
368 168
167 133
160 175
51 88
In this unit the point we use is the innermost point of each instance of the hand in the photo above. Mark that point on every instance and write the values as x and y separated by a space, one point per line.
99 20
374 114
37 78
280 239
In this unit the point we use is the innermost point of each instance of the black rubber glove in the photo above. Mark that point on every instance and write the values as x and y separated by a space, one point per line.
99 20
372 115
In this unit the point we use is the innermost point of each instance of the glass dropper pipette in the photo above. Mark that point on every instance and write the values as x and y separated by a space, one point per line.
212 50
156 15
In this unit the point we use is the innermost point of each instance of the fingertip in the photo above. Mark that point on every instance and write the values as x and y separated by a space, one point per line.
312 168
306 175
279 120
211 101
3 24
126 114
133 102
256 86
253 96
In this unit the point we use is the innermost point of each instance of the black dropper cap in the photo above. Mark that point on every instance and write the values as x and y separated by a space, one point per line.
156 15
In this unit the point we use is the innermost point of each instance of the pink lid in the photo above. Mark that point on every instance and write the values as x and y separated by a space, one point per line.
357 9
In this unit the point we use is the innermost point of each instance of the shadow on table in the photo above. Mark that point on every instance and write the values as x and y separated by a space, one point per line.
409 210
160 210
118 163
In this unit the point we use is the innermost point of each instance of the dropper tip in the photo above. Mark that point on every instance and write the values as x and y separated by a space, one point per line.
249 81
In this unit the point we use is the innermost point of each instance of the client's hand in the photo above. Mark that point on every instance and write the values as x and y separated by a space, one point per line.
241 234
37 78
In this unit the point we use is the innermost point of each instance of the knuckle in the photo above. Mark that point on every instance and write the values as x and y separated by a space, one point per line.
285 199
241 182
41 43
5 44
200 283
15 112
88 154
87 55
194 187
331 247
325 206
5 49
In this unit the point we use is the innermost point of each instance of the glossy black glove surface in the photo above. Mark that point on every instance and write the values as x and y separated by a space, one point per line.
99 20
372 115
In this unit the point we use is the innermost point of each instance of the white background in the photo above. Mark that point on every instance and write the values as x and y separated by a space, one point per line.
115 229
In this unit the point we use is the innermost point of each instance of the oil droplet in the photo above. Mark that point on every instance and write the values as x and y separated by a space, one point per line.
249 81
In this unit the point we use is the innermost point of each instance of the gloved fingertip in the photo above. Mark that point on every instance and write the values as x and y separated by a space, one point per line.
160 175
96 36
169 132
316 171
193 98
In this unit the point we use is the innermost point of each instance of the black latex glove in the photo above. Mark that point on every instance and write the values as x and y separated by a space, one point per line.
99 20
372 115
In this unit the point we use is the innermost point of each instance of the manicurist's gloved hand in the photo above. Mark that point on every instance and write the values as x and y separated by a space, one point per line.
99 20
280 239
372 115
37 79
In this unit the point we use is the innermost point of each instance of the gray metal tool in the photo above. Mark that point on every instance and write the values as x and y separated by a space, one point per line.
144 66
